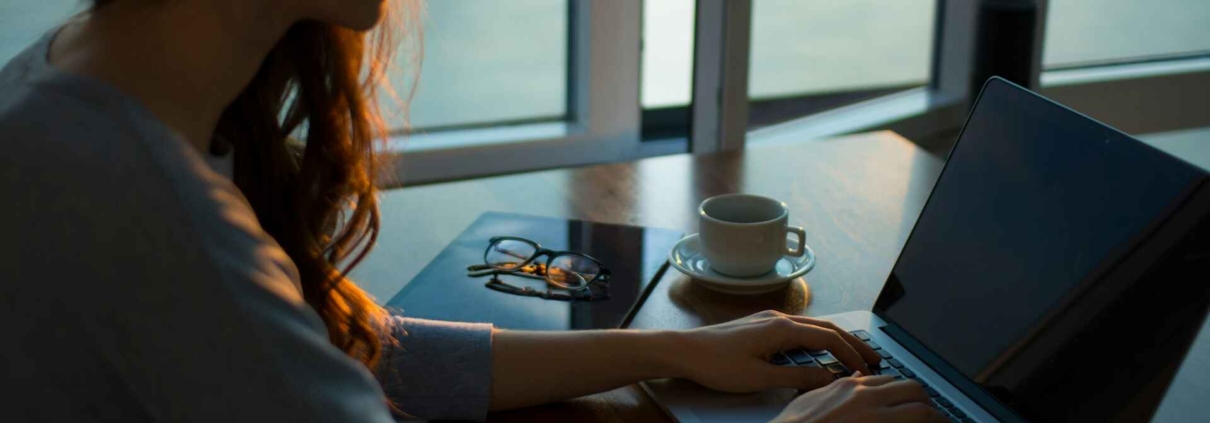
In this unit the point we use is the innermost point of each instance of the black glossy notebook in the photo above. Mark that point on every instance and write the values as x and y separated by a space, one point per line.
636 256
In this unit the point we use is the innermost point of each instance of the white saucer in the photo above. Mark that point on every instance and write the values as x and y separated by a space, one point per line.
687 257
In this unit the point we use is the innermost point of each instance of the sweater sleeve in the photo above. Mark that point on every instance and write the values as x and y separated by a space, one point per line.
438 370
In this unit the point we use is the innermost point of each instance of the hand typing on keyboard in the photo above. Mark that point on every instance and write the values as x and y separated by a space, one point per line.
863 399
775 350
889 367
735 356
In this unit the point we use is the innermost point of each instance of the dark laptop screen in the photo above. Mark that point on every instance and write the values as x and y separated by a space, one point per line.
1058 264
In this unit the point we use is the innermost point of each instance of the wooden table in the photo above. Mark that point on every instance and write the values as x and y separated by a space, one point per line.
857 196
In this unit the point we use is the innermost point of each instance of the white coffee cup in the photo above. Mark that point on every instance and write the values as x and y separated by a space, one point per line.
744 235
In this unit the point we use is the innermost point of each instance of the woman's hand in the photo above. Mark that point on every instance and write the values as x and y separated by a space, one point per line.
734 356
862 399
731 357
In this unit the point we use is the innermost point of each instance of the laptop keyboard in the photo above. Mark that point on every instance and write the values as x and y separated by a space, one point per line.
888 366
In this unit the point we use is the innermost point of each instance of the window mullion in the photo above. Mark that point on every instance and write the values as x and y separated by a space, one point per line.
720 75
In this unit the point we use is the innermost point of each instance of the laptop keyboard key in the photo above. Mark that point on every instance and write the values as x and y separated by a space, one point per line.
779 359
873 344
895 363
884 354
957 413
838 370
944 402
817 353
799 356
826 359
811 364
905 372
862 335
932 393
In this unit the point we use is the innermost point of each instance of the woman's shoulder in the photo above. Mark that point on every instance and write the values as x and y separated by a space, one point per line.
76 128
80 155
51 124
46 109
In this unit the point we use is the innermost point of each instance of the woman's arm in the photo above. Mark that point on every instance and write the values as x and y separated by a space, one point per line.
530 368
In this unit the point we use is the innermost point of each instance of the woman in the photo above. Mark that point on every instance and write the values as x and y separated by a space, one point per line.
180 258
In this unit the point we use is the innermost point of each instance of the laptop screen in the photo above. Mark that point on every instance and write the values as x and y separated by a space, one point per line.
1058 264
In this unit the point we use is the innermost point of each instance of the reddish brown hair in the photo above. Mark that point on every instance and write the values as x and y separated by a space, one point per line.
317 197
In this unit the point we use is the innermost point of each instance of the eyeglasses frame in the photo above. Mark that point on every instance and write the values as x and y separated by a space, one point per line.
539 251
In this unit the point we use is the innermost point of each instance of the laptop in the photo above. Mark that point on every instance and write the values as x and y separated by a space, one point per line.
1058 272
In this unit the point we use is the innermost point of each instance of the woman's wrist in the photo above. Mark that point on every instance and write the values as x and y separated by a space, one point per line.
663 353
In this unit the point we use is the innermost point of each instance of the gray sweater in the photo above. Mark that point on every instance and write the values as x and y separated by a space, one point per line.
137 285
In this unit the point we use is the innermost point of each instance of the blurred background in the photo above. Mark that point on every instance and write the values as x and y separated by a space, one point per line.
501 72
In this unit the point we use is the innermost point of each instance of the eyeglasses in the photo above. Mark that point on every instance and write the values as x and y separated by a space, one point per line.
567 270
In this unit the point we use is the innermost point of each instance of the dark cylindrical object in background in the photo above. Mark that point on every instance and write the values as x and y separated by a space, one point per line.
1005 41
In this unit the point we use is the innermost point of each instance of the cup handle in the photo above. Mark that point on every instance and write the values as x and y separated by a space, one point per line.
802 241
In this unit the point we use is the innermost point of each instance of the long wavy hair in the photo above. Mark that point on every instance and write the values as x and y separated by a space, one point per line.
304 133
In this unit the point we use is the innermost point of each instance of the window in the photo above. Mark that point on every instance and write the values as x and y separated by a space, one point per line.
809 56
667 67
524 85
667 53
1090 32
491 62
805 57
1140 66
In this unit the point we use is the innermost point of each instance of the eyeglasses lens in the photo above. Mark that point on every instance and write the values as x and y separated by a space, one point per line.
572 271
507 254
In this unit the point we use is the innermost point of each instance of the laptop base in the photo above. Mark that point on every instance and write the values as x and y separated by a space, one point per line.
688 402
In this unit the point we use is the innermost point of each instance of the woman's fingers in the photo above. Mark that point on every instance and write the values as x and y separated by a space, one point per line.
804 378
912 412
876 380
868 354
900 392
815 337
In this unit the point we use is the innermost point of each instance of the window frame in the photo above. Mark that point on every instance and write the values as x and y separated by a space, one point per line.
923 114
605 121
931 116
602 123
1172 94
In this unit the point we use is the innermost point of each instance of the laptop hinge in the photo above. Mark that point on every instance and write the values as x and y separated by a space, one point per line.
968 387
